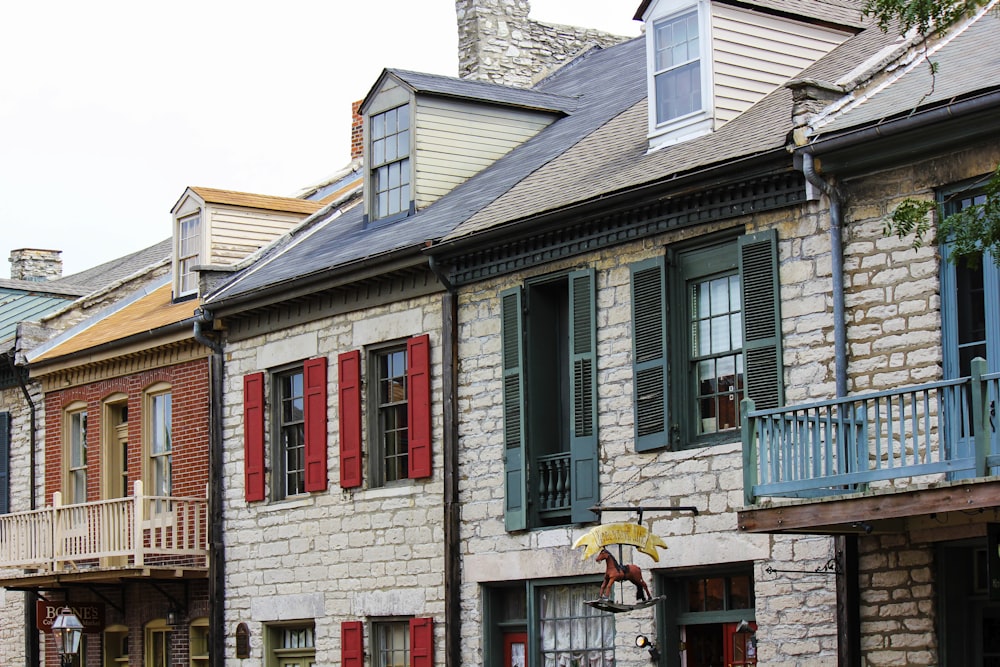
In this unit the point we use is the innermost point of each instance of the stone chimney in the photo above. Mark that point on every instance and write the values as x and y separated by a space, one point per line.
357 131
35 265
498 43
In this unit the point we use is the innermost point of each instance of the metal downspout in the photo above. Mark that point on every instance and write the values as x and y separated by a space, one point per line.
452 506
216 558
846 546
31 648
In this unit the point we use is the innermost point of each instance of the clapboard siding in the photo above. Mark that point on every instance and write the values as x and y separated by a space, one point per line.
456 140
236 233
756 53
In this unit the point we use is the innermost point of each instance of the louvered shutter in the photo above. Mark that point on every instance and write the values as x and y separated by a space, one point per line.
349 388
583 398
421 642
4 462
352 649
418 409
761 318
649 354
253 436
515 483
314 371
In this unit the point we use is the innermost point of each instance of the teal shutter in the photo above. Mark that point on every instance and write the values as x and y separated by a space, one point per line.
649 353
515 473
5 462
761 318
583 396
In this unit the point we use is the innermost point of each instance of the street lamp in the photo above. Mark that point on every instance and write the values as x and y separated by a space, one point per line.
68 629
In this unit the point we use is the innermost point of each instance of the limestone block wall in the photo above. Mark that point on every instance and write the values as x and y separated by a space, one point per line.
338 555
795 613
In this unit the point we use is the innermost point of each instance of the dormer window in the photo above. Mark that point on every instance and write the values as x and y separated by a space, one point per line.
188 252
677 62
390 162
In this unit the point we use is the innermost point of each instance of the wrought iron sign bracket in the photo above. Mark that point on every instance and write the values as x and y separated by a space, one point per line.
831 567
598 509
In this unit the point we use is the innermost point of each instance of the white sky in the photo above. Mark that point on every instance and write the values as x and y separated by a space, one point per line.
110 108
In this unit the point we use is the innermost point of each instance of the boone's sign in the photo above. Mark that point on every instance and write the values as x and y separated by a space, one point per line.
91 614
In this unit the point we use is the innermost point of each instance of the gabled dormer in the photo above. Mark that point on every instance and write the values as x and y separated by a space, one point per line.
218 228
708 61
425 134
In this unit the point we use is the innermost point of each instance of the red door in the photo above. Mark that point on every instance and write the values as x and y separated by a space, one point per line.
515 649
740 647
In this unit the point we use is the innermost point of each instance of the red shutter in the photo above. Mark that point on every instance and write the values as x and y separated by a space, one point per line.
349 386
421 642
352 652
253 436
314 371
418 378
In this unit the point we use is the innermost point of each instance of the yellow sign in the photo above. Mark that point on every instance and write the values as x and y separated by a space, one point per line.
620 533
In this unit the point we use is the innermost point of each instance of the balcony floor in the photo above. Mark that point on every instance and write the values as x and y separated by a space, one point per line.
946 510
108 575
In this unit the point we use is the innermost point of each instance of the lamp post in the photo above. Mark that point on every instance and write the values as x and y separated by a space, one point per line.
67 629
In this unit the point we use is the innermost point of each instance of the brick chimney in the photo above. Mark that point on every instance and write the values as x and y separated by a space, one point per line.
35 265
498 43
357 131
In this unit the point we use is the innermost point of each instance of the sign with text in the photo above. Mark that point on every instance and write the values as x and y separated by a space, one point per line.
91 614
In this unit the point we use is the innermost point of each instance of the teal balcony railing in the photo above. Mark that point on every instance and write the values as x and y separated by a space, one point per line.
935 431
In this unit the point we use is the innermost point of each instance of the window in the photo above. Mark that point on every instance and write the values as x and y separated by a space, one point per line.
291 645
394 643
399 419
677 66
549 343
712 614
722 343
76 455
390 162
560 630
970 314
158 652
297 412
188 252
290 434
160 424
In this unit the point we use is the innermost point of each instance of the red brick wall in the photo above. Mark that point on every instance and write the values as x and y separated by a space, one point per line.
190 411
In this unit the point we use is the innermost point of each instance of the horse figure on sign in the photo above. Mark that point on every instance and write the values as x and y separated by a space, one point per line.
615 572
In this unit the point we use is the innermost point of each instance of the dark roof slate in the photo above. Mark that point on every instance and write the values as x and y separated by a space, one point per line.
104 275
481 91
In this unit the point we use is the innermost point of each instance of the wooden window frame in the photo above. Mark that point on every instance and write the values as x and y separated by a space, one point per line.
71 413
282 475
276 652
151 457
157 626
403 162
188 256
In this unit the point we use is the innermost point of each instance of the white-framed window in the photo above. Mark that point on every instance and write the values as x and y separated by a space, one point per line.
390 162
75 489
159 450
188 252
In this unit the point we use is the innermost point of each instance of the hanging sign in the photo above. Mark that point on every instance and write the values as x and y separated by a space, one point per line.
620 533
91 614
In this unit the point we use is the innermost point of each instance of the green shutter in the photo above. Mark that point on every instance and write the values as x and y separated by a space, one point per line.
649 354
515 484
761 318
583 408
5 463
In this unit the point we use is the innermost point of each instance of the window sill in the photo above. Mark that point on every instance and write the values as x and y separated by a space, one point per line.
287 504
395 491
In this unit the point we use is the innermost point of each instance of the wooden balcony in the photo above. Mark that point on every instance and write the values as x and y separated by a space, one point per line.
106 540
939 435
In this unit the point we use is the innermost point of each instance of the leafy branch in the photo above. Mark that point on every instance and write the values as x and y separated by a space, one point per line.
921 14
972 231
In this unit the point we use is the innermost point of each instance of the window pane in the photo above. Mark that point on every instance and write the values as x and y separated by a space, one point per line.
572 632
378 126
378 151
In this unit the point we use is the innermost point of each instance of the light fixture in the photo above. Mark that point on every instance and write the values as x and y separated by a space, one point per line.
173 617
642 641
67 629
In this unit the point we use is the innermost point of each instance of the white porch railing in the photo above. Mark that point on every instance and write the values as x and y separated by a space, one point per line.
134 531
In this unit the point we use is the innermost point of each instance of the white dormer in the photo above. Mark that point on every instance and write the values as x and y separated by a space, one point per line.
708 61
218 228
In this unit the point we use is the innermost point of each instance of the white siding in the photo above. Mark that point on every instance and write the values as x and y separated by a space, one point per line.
455 140
756 53
237 233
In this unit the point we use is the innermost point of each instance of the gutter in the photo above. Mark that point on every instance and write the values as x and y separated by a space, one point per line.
216 544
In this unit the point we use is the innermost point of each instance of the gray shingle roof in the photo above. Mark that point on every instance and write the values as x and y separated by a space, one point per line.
482 91
966 62
111 272
838 12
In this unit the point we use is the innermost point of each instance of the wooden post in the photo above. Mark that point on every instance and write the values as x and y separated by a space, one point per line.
749 452
138 519
980 416
56 533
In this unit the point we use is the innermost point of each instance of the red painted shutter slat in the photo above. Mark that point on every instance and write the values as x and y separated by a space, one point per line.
253 436
421 642
349 409
418 372
314 371
351 644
